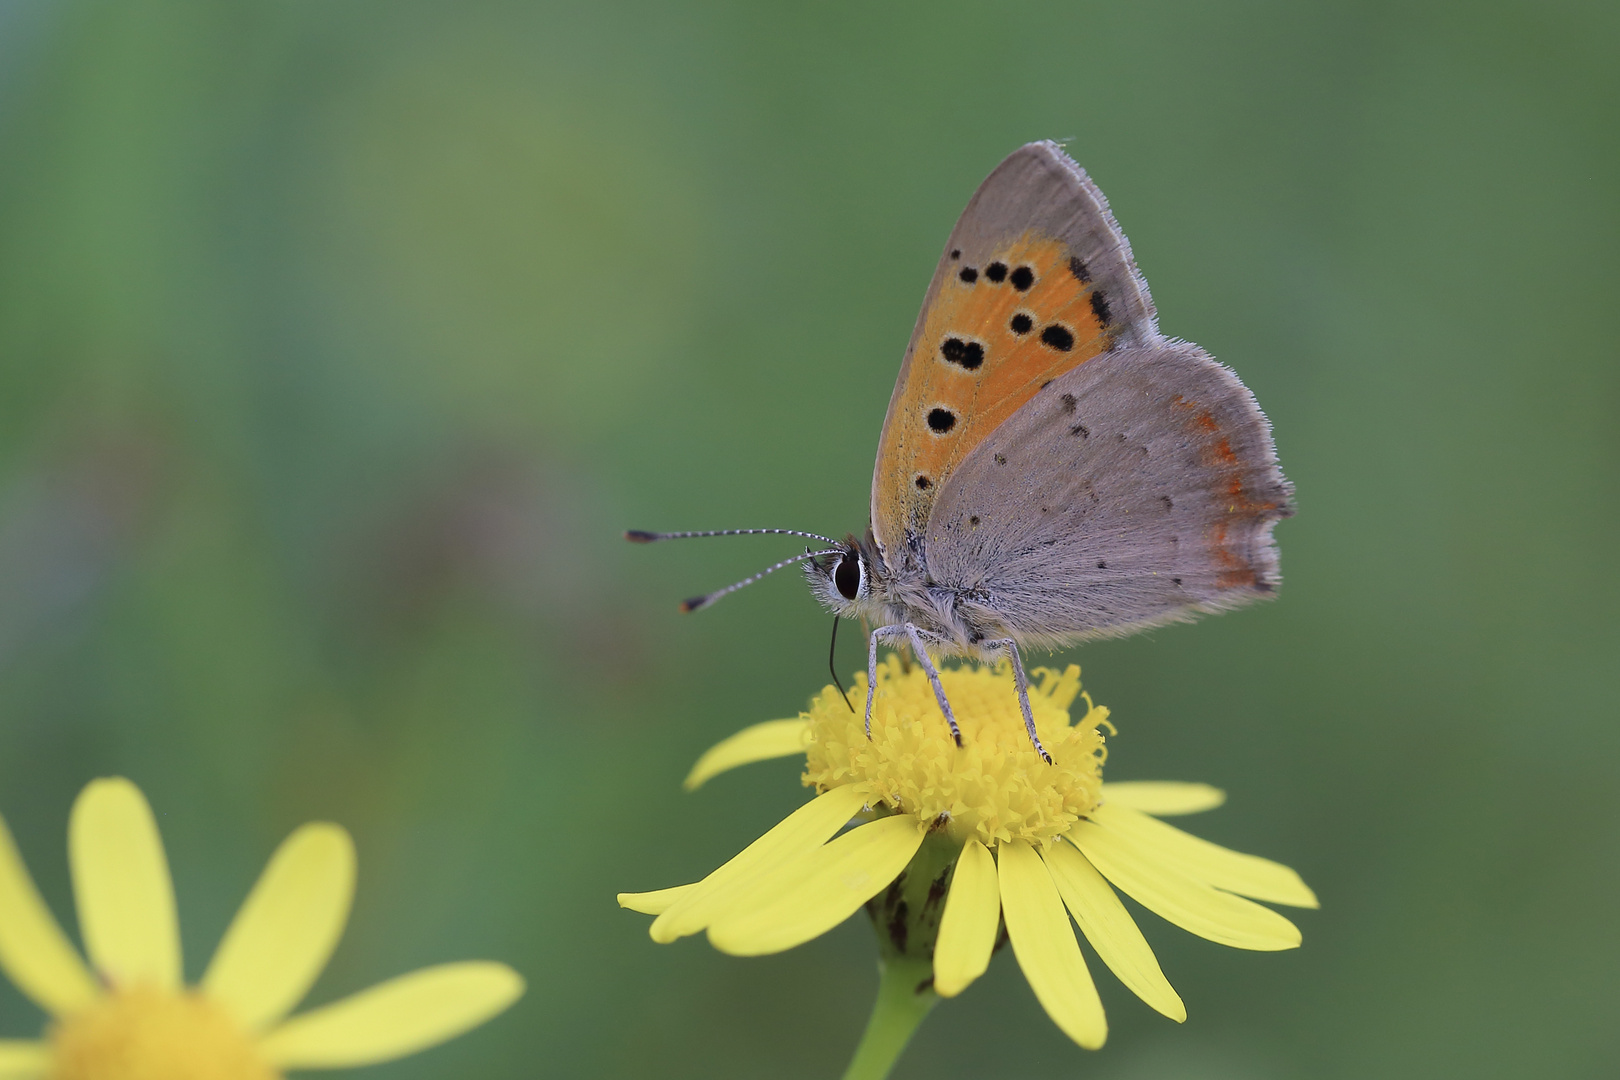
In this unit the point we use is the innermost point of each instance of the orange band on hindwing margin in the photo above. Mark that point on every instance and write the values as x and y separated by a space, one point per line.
1215 452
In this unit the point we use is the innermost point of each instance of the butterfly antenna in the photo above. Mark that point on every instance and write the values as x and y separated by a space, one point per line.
638 536
708 598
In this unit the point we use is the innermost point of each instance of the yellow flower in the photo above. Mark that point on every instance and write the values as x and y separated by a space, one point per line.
134 1019
961 842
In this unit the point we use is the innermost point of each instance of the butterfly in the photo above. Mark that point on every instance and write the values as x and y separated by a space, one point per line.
1052 468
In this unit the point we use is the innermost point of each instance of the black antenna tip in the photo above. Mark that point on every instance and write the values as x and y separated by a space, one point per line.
694 603
639 536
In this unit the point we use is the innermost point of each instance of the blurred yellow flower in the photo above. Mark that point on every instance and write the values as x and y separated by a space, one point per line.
955 846
129 1016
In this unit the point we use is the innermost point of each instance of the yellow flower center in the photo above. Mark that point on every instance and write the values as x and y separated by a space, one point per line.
148 1034
994 787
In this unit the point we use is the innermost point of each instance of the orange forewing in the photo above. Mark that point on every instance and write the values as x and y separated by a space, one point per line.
914 459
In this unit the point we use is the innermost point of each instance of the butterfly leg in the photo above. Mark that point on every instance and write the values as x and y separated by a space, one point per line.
872 639
916 637
1022 682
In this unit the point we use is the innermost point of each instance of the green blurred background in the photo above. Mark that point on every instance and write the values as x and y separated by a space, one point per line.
338 341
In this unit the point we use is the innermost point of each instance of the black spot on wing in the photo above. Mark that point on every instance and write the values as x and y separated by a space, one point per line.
941 420
1099 308
956 253
996 272
1021 323
1058 337
1022 278
1078 269
1069 402
1168 503
923 483
1101 565
1080 430
967 354
968 274
1001 459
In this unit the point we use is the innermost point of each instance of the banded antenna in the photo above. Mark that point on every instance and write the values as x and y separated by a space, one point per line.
639 536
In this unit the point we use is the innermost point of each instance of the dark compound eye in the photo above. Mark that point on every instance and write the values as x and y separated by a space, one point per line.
1021 323
847 576
969 354
941 420
1057 337
996 272
968 274
1022 278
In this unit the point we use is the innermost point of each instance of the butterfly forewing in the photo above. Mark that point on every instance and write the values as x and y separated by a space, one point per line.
1035 281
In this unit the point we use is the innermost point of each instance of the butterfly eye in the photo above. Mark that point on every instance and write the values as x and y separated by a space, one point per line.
848 576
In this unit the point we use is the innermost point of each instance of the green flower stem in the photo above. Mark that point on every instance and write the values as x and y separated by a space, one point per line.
906 918
899 1008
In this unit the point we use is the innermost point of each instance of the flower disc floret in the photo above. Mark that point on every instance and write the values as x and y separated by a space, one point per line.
150 1034
994 788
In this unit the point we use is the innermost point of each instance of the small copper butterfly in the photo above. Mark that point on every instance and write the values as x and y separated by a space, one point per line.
1052 468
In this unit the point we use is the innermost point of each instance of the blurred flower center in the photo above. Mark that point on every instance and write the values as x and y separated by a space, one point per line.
995 787
150 1034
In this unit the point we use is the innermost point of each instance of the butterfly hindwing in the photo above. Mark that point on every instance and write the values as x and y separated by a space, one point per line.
1138 488
1035 281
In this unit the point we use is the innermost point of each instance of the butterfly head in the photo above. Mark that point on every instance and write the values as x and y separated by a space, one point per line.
849 581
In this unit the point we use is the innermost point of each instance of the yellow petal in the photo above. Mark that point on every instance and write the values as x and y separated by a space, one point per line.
1044 943
805 829
122 887
1190 904
772 739
967 930
654 903
1247 875
1163 797
1111 930
287 928
395 1018
24 1059
34 951
814 893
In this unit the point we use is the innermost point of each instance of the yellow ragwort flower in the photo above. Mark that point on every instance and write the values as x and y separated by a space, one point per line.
993 836
129 1016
